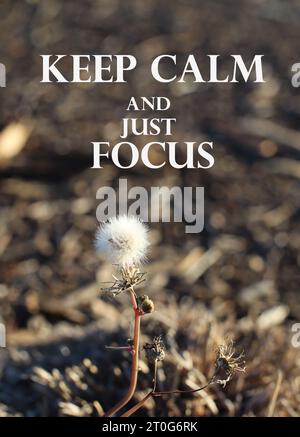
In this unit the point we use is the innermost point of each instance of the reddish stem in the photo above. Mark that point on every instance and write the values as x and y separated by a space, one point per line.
135 359
137 406
154 394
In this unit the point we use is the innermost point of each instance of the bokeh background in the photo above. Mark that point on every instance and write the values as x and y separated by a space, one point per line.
238 279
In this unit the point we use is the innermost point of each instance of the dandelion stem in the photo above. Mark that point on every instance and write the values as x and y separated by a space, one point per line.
135 358
133 299
139 405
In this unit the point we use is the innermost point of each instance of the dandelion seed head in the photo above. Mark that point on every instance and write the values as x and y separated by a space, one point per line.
124 240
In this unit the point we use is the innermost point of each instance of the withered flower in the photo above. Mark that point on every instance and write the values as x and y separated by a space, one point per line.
227 363
155 351
129 277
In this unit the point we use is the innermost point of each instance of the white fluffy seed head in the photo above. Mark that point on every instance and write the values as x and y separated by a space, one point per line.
124 240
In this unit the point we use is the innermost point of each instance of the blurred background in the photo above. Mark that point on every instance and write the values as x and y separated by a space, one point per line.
238 279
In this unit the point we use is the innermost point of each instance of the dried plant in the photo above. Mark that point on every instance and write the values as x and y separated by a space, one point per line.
227 362
124 241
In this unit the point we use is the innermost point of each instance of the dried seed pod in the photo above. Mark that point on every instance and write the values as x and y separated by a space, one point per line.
155 351
227 363
129 277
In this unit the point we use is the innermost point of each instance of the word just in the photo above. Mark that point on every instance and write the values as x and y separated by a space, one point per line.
147 126
159 204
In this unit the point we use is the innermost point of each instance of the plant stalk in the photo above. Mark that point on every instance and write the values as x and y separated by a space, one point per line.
135 359
154 394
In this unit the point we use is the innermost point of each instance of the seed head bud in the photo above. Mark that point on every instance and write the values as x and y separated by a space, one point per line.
146 304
